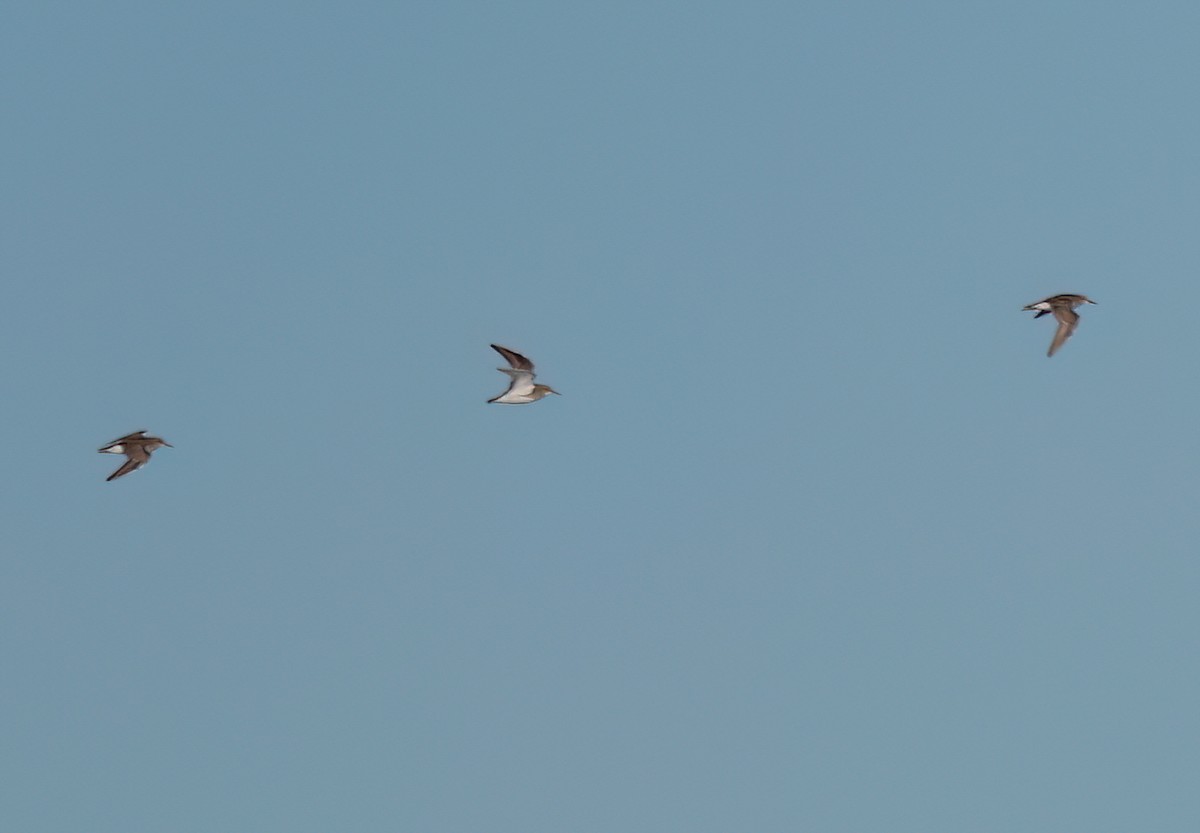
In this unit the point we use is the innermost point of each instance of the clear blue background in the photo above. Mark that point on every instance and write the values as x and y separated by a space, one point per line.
817 538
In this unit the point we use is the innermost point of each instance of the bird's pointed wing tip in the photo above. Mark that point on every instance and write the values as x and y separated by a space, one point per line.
515 359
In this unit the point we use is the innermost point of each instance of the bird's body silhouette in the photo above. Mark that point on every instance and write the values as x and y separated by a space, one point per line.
137 448
521 390
1062 307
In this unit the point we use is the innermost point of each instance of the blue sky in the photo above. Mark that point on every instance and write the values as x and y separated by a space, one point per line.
816 538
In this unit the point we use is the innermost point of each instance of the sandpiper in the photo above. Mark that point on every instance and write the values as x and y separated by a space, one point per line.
137 447
521 390
1063 308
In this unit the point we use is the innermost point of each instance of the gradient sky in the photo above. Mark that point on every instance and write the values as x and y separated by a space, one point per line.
816 539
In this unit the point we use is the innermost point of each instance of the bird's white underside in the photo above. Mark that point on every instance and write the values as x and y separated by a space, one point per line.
514 399
519 392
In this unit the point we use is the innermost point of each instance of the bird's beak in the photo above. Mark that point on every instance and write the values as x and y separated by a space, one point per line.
167 444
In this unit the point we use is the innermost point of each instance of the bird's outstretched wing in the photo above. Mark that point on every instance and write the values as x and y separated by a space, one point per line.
1067 320
136 458
136 435
515 359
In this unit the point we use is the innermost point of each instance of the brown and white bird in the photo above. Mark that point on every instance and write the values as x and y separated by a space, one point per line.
1063 309
521 390
137 448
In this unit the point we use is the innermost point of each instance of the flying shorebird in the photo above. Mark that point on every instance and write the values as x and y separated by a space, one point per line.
1063 308
137 447
521 390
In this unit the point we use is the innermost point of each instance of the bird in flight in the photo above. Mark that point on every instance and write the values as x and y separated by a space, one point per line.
1063 309
137 448
521 390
